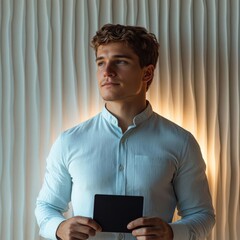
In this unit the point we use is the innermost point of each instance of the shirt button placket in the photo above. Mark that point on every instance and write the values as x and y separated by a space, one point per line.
121 167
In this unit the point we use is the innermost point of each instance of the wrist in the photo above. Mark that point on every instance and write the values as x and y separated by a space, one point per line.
58 231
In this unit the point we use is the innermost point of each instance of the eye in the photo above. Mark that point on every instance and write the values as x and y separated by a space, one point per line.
121 62
100 63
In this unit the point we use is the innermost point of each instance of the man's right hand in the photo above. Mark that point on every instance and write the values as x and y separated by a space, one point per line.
77 228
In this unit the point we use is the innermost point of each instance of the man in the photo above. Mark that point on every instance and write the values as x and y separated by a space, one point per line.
127 149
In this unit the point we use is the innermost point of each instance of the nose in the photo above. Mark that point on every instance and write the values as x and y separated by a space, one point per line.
109 71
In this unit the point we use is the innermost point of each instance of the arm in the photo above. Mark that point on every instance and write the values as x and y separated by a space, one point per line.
55 194
194 199
194 202
54 198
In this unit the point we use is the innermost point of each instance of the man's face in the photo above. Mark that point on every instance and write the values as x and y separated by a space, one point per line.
119 74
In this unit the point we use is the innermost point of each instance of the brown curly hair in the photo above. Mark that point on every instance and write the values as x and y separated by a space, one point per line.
143 43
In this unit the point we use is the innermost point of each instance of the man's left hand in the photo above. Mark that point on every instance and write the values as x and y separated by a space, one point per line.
150 228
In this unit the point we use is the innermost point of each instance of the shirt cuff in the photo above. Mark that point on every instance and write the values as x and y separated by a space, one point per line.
180 231
51 228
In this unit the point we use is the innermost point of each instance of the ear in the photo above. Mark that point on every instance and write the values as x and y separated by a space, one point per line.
148 73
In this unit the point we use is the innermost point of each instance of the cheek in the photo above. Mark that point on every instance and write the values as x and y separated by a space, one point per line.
135 80
99 75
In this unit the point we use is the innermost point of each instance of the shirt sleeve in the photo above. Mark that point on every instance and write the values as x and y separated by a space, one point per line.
55 193
193 195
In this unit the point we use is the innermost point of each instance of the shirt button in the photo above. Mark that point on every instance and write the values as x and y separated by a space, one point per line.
121 167
121 236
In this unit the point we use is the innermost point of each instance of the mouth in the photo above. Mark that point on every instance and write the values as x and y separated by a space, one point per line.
109 84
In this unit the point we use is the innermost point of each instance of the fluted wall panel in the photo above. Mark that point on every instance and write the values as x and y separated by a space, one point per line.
48 84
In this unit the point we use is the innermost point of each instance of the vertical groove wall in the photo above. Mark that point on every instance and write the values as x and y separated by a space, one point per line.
48 84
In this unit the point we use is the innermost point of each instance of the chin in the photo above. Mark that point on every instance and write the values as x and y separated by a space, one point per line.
108 99
112 98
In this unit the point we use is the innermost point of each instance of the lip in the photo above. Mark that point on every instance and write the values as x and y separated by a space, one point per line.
109 84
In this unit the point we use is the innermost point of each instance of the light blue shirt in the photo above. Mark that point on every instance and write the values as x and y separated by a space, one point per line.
154 158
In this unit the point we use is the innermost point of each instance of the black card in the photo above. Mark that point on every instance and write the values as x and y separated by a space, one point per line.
114 212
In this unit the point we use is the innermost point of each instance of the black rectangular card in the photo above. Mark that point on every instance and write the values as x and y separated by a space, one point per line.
114 212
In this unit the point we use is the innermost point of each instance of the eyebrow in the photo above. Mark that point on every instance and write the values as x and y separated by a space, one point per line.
116 56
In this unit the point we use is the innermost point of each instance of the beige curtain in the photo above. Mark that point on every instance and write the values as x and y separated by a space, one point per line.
48 84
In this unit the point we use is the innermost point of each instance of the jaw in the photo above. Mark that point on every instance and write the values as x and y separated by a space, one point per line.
121 93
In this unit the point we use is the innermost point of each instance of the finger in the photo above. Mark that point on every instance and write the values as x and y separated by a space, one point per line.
148 238
144 221
79 236
82 232
162 231
147 231
86 230
89 222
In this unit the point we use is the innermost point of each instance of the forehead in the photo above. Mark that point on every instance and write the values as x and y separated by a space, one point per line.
115 49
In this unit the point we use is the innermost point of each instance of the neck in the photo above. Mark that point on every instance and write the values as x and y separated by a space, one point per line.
125 112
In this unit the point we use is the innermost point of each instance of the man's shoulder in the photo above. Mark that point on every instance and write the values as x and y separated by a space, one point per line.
81 128
172 133
169 125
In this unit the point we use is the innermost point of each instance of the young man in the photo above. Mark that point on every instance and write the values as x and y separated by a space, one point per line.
127 149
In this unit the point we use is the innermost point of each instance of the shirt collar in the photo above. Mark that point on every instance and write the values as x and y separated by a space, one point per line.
138 119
